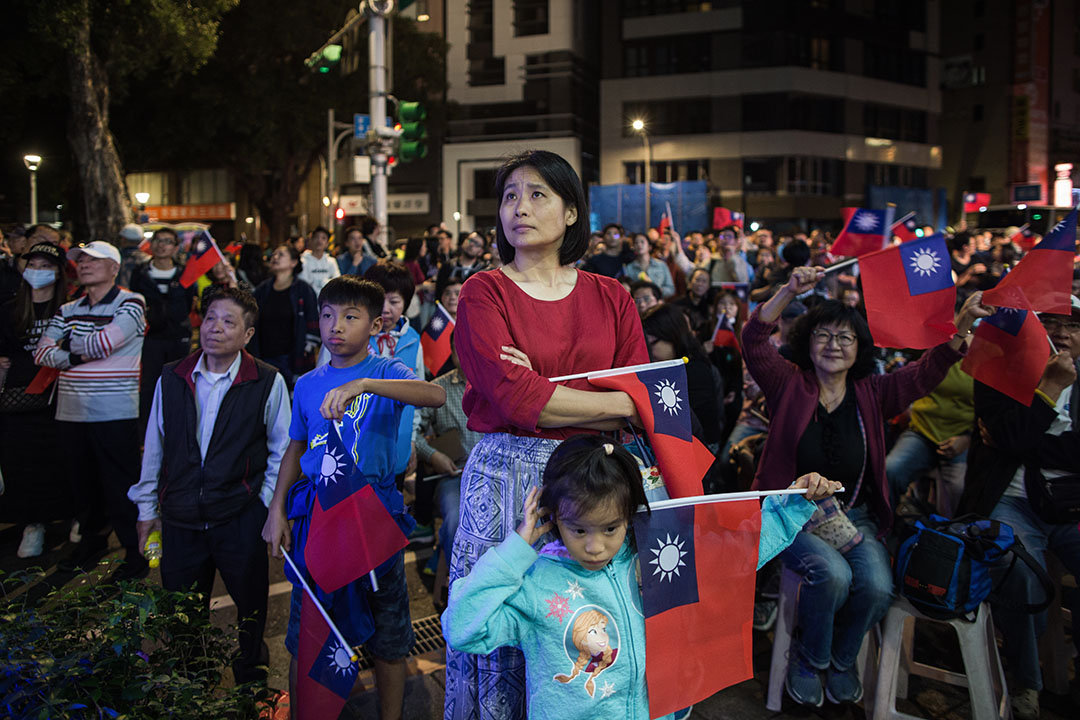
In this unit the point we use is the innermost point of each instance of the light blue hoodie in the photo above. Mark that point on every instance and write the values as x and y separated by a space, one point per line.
582 631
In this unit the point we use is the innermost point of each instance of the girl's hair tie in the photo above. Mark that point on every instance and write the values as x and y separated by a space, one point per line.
608 448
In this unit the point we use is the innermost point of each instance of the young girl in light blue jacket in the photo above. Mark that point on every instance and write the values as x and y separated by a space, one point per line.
575 608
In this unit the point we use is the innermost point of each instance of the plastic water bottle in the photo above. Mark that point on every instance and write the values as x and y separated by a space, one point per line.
153 548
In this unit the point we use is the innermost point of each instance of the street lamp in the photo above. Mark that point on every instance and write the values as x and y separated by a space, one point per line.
32 162
142 197
638 126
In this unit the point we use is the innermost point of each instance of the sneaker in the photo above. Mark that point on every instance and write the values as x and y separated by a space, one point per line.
33 541
803 681
765 614
75 536
422 534
1025 704
842 686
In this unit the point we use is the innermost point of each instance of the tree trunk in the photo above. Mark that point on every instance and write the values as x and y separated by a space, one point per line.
105 198
275 193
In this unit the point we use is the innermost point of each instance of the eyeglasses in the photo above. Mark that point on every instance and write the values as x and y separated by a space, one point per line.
822 337
1055 322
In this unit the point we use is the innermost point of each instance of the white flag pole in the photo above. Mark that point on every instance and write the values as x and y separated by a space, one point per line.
724 497
623 370
319 607
841 265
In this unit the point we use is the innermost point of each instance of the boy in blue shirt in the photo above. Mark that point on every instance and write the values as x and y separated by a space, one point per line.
366 394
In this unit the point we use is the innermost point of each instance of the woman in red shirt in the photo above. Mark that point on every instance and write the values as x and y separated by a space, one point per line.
534 318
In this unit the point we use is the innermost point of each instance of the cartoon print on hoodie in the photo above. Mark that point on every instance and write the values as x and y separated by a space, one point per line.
596 645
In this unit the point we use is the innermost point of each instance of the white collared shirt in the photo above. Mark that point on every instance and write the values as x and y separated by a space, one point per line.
210 389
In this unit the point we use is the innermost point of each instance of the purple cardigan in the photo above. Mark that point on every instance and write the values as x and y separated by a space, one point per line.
792 395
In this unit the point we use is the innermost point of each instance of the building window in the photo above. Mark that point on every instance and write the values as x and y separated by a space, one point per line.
893 123
667 55
643 8
682 116
761 175
896 175
484 67
897 64
777 48
530 17
812 176
781 111
667 171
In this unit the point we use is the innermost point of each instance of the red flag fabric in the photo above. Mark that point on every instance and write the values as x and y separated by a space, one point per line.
144 246
435 339
662 400
347 514
204 255
864 231
722 217
325 671
42 380
1042 280
1009 353
665 222
905 228
974 201
909 294
698 565
724 335
1023 237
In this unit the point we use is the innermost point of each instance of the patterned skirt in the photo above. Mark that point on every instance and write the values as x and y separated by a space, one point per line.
500 472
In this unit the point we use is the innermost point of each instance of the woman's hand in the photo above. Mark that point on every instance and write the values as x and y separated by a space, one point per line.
512 355
972 309
337 400
528 530
954 446
804 279
818 487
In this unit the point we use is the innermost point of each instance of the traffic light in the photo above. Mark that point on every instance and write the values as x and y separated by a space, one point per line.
326 58
411 116
339 214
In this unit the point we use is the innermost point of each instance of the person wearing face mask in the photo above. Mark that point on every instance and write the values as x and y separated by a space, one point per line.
35 491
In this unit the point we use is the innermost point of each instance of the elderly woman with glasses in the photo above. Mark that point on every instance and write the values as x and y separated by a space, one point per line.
828 416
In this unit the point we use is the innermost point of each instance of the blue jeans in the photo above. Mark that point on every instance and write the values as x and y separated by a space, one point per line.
739 432
842 595
1019 629
448 504
913 455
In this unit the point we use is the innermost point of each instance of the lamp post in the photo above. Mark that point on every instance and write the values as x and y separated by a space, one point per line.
32 162
639 127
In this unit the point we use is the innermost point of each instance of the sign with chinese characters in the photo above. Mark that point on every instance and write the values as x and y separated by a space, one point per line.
206 211
354 204
408 203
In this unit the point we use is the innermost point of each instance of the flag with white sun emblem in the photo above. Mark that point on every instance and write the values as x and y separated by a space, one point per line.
351 531
1042 280
662 400
865 231
326 672
698 567
909 294
1009 353
435 339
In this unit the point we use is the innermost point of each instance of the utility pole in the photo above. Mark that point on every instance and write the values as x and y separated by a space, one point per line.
377 11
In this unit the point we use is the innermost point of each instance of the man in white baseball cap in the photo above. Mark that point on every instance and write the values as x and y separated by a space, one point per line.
96 343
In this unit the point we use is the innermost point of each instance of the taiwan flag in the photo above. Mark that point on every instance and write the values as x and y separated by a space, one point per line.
1023 237
662 400
973 202
435 340
724 335
698 566
326 672
204 255
351 532
1042 280
865 231
1009 353
909 294
722 218
905 228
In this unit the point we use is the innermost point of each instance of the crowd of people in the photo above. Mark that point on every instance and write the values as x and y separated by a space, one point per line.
201 413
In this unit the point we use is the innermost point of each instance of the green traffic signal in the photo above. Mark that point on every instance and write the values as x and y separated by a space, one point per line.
411 112
1036 216
413 146
323 61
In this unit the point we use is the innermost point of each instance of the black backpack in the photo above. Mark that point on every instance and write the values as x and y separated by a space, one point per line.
943 566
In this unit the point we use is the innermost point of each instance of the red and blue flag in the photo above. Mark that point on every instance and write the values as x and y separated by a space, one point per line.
724 335
1023 237
351 532
905 228
909 294
204 255
326 672
865 231
662 399
722 218
1042 280
1009 353
974 202
435 339
698 566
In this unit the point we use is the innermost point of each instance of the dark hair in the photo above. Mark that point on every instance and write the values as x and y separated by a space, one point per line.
731 227
354 291
251 263
243 298
565 183
581 475
833 312
294 254
320 229
367 224
413 247
166 231
23 317
695 271
393 277
639 284
668 322
959 241
796 253
351 229
441 283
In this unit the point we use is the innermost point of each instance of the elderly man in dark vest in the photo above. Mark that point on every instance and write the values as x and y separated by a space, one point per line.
217 430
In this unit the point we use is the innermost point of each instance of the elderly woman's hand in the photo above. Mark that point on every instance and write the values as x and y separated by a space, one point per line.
804 279
970 311
818 487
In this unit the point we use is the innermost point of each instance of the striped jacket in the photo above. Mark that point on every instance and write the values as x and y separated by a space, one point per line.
109 335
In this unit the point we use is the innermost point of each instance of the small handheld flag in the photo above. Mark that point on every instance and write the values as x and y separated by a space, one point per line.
435 339
1042 280
204 255
1009 353
974 202
905 228
864 231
